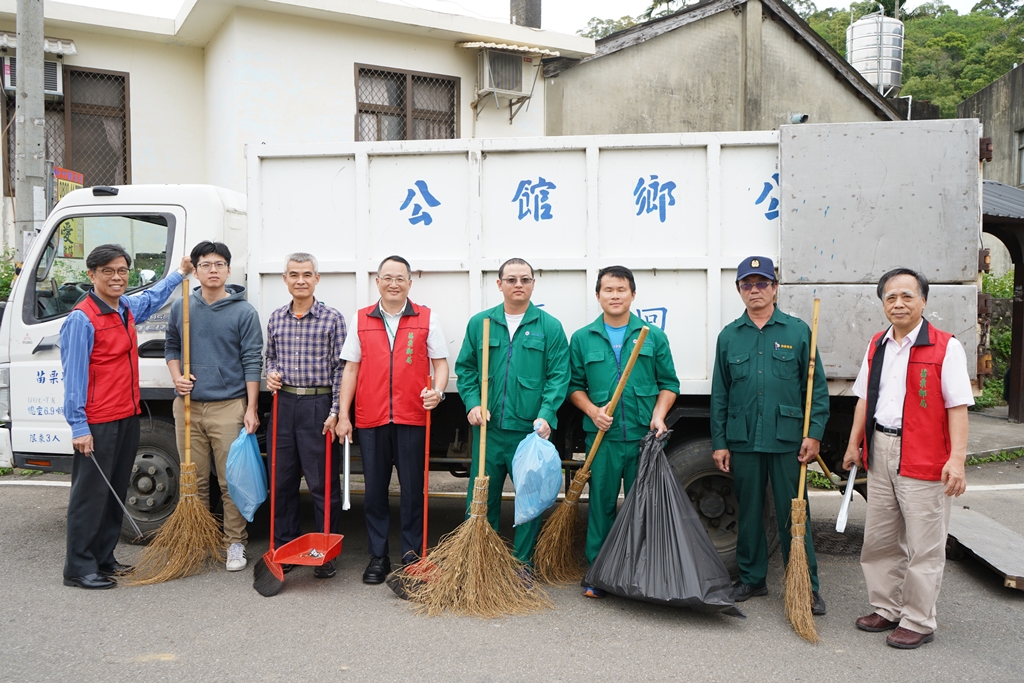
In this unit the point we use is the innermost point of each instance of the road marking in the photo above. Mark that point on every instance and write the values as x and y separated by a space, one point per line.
36 483
970 489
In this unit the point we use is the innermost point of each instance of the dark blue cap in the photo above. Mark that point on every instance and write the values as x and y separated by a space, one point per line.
756 265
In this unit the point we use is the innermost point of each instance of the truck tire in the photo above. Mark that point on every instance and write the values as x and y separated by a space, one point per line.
153 487
712 494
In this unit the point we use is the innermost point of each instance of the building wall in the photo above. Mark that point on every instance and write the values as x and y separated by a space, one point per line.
281 79
1000 108
729 71
166 105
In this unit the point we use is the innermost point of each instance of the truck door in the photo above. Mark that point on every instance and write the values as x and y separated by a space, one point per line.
53 281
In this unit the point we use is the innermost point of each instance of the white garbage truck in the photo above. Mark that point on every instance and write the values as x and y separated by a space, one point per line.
835 205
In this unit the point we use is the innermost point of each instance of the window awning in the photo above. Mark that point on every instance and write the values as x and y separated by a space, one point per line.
508 48
56 46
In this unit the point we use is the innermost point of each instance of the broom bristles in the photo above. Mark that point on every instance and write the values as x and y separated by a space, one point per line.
558 557
187 543
475 574
798 578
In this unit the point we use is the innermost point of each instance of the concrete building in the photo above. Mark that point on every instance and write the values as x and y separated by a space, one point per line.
152 100
714 66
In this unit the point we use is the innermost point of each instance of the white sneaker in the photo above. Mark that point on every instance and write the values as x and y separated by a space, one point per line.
236 557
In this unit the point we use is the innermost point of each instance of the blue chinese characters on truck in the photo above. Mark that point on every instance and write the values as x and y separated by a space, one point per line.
653 316
766 194
653 195
418 214
533 199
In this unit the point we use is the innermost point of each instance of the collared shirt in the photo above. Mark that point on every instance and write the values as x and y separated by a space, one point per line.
892 388
76 340
307 350
437 347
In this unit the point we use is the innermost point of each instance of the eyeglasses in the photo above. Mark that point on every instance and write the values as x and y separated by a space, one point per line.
388 280
111 272
212 265
763 284
513 280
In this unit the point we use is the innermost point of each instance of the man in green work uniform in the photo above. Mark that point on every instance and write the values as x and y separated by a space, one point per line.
598 354
529 373
757 415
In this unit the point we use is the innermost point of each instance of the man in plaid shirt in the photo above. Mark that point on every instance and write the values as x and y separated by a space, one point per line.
304 366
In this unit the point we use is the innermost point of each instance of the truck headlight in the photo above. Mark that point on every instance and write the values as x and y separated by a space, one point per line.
5 394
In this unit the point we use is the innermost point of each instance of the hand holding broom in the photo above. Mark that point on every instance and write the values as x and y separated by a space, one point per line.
798 576
556 559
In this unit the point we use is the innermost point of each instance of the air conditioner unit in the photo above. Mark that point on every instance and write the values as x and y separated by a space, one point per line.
53 77
502 73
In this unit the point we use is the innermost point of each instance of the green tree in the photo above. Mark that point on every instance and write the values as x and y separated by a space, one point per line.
598 28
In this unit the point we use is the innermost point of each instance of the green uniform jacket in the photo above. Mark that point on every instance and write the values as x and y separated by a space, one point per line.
529 376
595 371
758 390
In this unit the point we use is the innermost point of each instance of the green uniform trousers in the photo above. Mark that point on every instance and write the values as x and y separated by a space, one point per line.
615 464
501 448
751 472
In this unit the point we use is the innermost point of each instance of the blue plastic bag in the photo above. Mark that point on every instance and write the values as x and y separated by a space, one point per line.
537 477
246 475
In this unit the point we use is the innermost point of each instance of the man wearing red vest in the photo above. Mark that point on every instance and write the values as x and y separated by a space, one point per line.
388 353
910 434
100 357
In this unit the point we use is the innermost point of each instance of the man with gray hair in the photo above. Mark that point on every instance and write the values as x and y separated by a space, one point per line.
304 340
910 434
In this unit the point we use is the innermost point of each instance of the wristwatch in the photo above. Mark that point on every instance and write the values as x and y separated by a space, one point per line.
440 395
332 414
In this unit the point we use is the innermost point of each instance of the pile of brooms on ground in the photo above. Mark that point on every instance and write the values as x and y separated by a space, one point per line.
190 540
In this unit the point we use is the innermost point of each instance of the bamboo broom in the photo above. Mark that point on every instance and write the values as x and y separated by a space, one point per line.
474 573
798 575
190 539
557 558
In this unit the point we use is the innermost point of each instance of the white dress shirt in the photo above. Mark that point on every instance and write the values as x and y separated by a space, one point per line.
352 350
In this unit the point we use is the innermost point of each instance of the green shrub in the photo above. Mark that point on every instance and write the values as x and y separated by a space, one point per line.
6 273
1001 286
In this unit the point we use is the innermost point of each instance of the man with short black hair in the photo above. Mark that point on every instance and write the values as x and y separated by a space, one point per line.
389 353
102 402
757 414
910 434
225 379
598 354
529 368
304 340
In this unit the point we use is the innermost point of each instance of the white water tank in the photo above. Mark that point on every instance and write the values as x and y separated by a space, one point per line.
874 46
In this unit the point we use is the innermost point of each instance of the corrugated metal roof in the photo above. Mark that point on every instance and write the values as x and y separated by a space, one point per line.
1003 201
509 48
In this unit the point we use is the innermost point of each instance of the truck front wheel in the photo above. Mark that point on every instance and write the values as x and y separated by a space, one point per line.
712 493
153 488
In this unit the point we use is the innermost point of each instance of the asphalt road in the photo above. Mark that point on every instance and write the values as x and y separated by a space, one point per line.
215 627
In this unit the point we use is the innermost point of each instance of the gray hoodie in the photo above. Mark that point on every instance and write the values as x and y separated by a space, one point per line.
227 344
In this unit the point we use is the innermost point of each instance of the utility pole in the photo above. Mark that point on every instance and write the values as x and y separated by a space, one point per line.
30 128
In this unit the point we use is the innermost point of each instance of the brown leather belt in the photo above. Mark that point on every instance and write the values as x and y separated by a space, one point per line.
306 391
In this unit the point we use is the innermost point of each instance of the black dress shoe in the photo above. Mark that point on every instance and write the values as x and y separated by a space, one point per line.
817 604
116 569
90 582
741 591
325 571
377 570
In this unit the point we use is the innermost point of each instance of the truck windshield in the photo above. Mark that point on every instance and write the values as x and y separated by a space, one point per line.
62 279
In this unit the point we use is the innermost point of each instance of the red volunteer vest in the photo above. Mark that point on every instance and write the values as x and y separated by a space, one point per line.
390 380
113 365
925 446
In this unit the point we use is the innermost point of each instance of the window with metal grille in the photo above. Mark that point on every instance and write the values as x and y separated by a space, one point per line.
88 131
388 100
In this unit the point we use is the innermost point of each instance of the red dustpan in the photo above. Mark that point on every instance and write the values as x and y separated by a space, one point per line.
316 549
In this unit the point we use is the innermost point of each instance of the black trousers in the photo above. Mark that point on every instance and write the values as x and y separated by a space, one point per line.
301 452
402 447
94 517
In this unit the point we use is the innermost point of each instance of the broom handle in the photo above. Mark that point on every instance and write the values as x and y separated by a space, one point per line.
328 475
810 390
426 474
186 355
273 472
610 408
484 362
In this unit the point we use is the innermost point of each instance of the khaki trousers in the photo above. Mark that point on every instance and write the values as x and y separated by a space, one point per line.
215 425
904 539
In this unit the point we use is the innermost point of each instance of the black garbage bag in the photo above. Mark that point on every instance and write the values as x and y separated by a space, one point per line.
658 550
